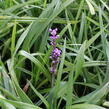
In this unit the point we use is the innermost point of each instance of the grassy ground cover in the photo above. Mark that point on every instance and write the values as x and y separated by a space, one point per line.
82 75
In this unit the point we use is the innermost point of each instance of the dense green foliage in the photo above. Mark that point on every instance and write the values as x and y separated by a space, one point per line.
83 72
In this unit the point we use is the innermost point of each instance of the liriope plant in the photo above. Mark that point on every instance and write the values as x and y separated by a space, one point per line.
79 75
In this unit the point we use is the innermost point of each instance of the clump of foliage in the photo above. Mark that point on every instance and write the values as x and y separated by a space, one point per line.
82 72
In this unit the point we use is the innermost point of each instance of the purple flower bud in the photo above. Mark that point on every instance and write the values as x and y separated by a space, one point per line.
54 37
55 62
56 29
50 30
52 70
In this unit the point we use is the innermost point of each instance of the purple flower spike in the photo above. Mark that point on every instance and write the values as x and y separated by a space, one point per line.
55 54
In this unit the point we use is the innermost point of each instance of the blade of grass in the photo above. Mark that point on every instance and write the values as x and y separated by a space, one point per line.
85 106
69 90
91 8
13 39
36 62
79 61
39 95
20 105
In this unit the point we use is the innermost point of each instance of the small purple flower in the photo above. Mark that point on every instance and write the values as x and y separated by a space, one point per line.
52 70
56 53
54 37
53 32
